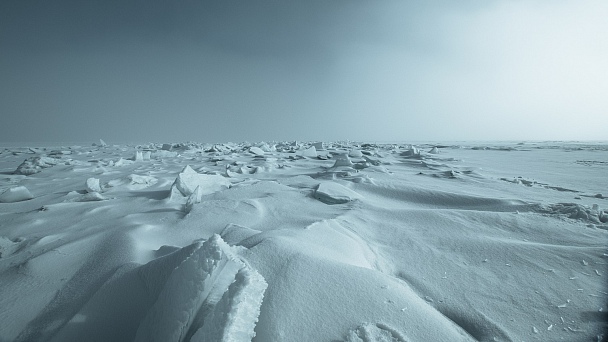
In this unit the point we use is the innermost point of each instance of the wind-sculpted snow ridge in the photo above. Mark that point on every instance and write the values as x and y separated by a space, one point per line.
189 299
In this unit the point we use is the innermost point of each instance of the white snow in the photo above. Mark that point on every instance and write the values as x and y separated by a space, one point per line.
219 242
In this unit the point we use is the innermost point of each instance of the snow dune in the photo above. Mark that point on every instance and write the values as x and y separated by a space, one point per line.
291 241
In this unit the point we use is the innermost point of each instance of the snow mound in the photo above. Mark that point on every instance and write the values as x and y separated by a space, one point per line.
16 194
189 300
34 165
188 180
334 193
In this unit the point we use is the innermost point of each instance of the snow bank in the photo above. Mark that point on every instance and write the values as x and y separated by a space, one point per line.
15 194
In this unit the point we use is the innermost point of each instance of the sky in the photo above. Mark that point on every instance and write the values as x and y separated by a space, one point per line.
217 71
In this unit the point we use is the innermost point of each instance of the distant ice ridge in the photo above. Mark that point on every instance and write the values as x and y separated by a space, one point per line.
211 296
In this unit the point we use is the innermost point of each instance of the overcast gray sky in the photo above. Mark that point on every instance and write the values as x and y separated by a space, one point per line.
209 71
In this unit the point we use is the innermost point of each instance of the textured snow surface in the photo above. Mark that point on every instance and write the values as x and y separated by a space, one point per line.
297 241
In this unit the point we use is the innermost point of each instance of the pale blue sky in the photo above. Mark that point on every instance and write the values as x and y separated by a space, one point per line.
311 70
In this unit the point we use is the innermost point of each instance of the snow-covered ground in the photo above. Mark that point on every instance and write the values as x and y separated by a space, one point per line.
304 242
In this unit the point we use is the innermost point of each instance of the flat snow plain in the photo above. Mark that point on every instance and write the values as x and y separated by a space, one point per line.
304 242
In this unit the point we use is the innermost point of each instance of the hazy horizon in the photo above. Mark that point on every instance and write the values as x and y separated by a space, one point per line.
127 71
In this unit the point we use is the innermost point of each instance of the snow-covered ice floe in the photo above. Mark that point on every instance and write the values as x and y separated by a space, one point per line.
304 241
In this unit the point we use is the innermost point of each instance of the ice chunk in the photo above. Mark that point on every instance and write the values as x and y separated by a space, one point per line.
102 143
92 185
257 151
310 152
91 197
434 150
188 169
188 180
34 165
141 182
236 314
354 153
166 147
201 279
138 156
411 151
342 160
193 199
16 194
163 154
334 193
318 145
122 162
